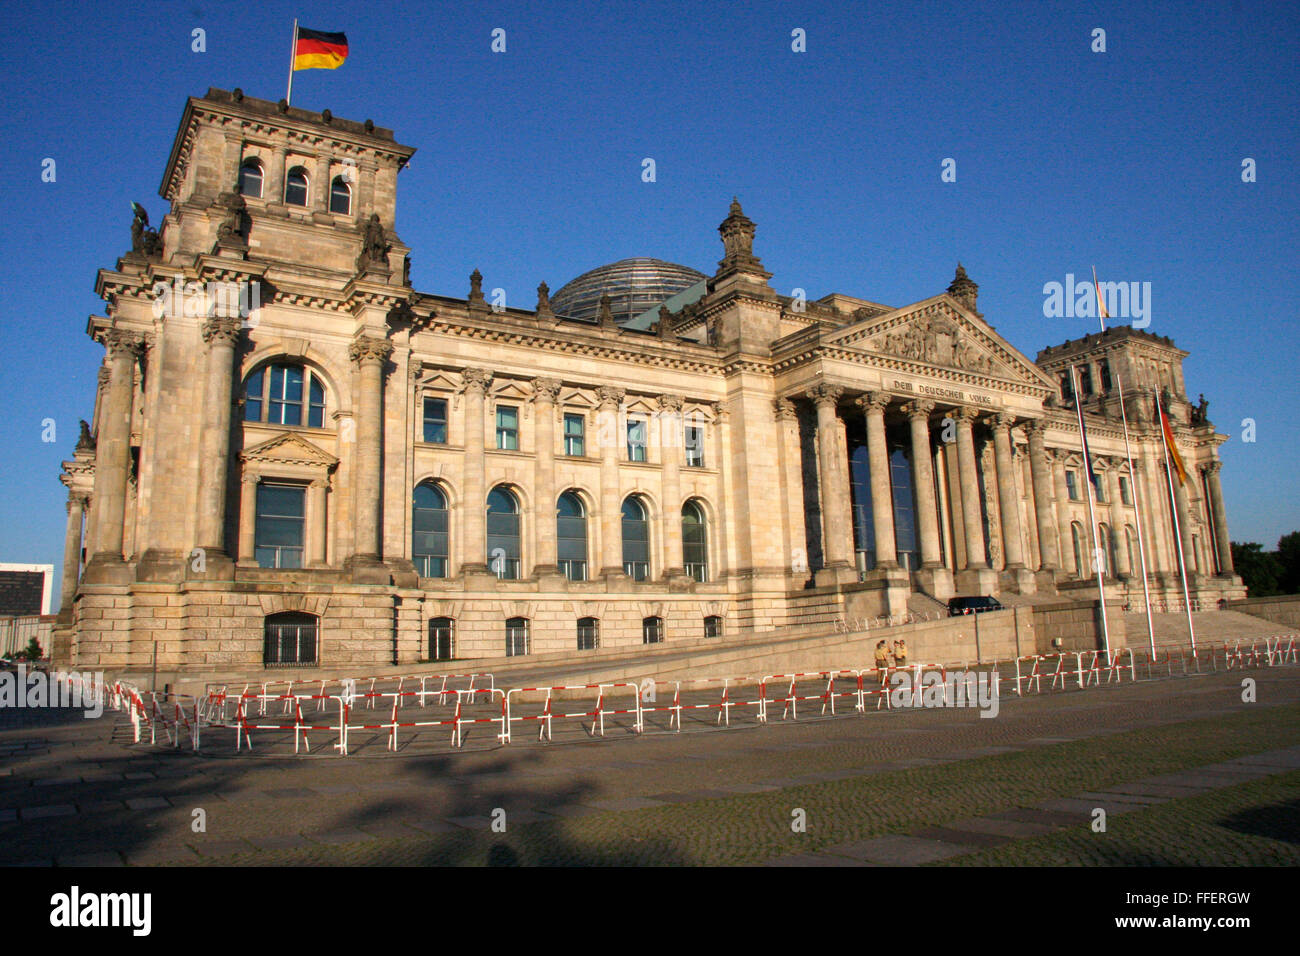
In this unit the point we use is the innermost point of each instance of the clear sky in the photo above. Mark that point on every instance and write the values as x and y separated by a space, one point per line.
529 168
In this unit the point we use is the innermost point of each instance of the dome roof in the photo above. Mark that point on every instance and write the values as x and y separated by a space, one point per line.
633 285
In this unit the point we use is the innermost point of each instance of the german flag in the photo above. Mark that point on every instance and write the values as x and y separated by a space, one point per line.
1172 448
314 50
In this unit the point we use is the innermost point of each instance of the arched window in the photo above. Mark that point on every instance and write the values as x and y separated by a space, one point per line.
250 178
295 187
429 534
652 630
1076 536
503 534
694 541
588 634
571 536
713 626
290 638
283 394
636 539
516 636
441 631
340 197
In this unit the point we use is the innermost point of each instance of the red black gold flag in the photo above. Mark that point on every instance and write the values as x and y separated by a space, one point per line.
1174 457
314 50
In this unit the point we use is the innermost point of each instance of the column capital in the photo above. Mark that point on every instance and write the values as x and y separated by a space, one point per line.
1212 467
1001 421
320 484
119 341
609 396
965 413
104 376
670 403
873 400
921 408
721 412
77 500
546 390
1036 427
784 410
476 380
826 394
251 478
222 330
369 348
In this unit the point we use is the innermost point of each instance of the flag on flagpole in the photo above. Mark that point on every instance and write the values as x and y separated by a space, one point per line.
1174 457
1101 303
315 50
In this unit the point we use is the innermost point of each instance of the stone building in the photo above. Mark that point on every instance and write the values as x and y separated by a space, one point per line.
295 456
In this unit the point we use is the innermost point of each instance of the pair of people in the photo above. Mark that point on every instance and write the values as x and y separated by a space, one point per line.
883 656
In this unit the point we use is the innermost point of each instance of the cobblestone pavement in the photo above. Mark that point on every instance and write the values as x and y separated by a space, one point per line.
907 787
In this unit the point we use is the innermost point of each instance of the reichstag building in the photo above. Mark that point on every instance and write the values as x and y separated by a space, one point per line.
294 457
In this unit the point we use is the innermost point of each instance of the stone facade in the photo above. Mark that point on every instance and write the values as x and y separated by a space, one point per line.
352 457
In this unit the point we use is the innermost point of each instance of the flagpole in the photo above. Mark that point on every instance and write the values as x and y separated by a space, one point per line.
293 49
1132 479
1092 520
1178 531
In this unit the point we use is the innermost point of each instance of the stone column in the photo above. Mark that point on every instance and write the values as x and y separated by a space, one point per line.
834 468
1041 478
371 353
787 420
611 503
248 518
545 392
474 511
112 453
882 496
275 176
1064 516
222 335
1159 522
972 521
1013 541
1190 559
1219 515
1117 522
918 417
72 549
671 437
952 472
316 497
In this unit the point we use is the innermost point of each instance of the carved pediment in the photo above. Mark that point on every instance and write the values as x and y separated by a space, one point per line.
939 332
289 449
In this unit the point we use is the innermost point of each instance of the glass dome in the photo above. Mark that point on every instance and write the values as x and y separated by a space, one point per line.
633 285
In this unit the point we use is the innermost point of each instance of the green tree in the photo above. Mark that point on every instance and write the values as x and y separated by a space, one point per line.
1288 556
1260 570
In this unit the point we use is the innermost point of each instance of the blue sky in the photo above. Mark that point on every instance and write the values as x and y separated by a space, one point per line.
529 168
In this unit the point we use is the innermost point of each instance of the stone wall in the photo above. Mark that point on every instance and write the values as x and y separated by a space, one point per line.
1077 625
1282 609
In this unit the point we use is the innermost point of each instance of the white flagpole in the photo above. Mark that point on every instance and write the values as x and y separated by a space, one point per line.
1178 531
293 49
1132 479
1097 557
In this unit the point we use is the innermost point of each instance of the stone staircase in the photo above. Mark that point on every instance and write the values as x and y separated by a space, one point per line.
1212 627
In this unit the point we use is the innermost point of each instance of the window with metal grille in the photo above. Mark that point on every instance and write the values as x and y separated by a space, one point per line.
588 633
652 630
290 638
441 631
713 626
516 637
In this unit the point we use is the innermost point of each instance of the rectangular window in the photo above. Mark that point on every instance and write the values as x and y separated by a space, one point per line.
1085 381
713 626
1099 487
694 446
636 439
1072 486
588 637
435 420
278 530
286 395
507 428
652 630
1124 495
575 442
1103 368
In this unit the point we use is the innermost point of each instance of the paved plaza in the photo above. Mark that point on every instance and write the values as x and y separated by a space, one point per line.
1186 772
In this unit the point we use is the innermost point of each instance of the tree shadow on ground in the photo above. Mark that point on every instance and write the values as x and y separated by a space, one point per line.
1279 821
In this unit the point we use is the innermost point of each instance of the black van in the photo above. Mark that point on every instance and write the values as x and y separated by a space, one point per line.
972 605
